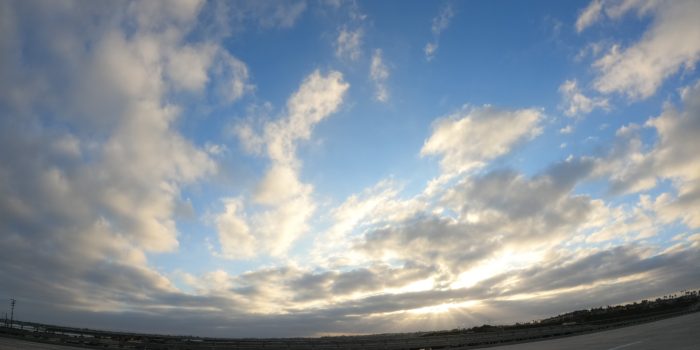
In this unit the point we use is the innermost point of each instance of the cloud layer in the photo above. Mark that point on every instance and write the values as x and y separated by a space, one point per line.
121 208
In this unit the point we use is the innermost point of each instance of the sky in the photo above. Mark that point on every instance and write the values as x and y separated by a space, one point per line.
308 168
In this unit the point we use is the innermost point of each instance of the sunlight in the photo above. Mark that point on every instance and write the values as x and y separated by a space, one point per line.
507 261
417 286
444 308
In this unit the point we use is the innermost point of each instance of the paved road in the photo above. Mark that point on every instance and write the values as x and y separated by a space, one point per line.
678 333
14 344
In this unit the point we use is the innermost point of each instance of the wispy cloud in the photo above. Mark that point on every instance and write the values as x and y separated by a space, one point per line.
288 201
379 73
576 103
566 130
440 23
348 45
469 138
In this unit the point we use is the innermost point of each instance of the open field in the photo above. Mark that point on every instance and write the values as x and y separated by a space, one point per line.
679 332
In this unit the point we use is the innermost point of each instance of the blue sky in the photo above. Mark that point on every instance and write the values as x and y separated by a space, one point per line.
338 167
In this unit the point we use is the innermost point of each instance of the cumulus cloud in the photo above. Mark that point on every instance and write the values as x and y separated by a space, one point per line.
440 23
288 201
93 166
379 73
576 103
235 237
638 70
379 205
478 219
469 138
634 167
496 222
102 165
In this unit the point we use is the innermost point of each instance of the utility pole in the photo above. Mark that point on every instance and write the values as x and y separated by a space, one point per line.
12 311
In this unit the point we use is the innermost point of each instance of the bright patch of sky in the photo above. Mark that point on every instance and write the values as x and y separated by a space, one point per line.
332 164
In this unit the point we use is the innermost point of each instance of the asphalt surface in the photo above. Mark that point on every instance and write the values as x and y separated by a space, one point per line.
678 333
14 344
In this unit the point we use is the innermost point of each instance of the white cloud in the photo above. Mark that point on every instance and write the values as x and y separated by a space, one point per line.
237 242
279 184
670 44
623 223
613 9
566 130
576 103
348 45
379 73
429 50
232 73
97 194
83 205
589 15
187 67
483 216
632 166
469 138
215 149
376 206
440 23
288 201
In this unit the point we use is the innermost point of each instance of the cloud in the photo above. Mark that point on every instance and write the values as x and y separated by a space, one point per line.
632 166
442 20
672 43
576 103
674 158
613 9
481 217
93 167
348 45
264 13
288 202
429 50
379 73
379 205
589 15
440 23
233 77
635 167
469 138
235 237
92 162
